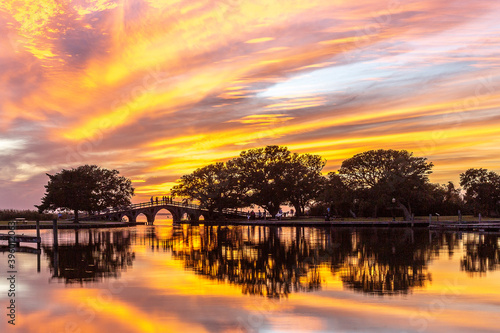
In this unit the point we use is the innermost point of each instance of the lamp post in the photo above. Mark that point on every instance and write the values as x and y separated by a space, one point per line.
393 204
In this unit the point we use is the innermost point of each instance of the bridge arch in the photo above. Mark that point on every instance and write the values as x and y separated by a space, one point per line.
174 211
141 217
170 212
191 212
131 217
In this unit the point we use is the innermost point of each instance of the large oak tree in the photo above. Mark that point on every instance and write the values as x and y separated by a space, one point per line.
263 176
86 188
303 180
381 175
482 190
337 195
215 186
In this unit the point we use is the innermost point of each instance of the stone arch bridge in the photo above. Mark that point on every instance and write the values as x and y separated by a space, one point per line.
150 209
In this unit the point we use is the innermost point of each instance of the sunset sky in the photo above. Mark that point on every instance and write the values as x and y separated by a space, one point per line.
156 88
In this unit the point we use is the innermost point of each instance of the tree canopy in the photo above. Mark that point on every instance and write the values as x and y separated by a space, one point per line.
86 188
365 185
267 177
381 175
215 186
482 190
263 176
303 180
337 195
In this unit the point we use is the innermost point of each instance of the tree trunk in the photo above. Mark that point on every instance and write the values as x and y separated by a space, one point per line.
76 217
298 210
405 210
273 211
375 211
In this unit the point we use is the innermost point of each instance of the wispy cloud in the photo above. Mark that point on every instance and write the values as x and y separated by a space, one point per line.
158 88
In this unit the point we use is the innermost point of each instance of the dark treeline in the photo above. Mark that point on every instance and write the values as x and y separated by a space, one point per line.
370 184
266 177
32 215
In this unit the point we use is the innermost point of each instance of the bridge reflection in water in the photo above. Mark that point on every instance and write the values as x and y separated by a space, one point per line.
274 261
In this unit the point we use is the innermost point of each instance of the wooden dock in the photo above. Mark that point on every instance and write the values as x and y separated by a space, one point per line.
20 238
493 226
16 239
292 223
23 249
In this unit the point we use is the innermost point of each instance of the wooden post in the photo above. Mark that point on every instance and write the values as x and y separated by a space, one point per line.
56 248
38 246
430 218
479 217
54 231
38 230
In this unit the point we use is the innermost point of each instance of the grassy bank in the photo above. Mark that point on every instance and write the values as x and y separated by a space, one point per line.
10 214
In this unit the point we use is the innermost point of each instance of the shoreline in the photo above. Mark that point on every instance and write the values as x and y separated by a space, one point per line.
493 226
70 225
303 223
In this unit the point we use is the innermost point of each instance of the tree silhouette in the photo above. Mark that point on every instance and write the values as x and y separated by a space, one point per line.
303 180
86 188
263 172
215 186
482 190
380 175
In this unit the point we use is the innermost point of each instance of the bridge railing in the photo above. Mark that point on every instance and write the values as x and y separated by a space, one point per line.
155 203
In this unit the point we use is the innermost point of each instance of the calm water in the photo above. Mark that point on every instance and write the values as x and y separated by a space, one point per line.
257 279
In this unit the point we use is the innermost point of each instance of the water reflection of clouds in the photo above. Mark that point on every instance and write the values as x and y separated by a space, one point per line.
159 294
274 262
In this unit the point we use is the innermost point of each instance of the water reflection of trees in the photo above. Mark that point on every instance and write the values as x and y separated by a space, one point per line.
384 261
254 258
482 253
92 256
274 262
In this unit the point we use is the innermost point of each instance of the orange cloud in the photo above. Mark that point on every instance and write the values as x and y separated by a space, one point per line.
157 89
